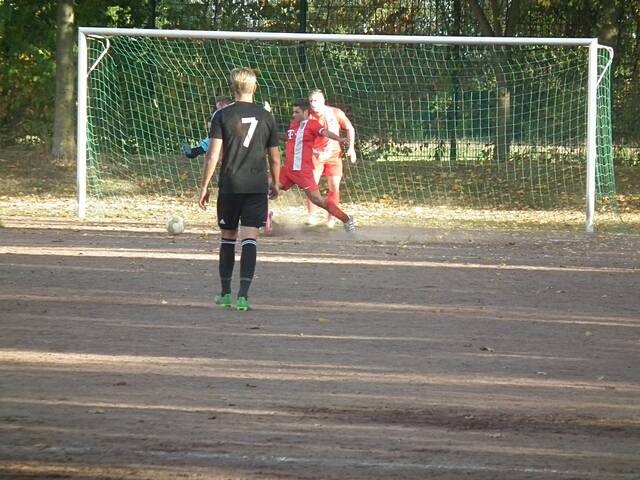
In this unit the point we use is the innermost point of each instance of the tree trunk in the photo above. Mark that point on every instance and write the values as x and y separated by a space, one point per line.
512 20
504 125
151 21
455 100
303 10
63 143
503 122
481 18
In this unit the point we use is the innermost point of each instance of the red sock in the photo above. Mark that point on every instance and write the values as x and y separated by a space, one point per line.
334 210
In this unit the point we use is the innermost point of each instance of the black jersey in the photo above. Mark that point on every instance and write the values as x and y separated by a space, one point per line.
246 130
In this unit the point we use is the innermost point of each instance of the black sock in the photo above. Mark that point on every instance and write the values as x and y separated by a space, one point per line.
247 265
226 260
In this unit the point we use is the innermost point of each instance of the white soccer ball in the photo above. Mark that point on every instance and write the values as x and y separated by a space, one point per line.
175 225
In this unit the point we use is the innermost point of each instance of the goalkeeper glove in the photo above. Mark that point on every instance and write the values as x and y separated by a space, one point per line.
194 152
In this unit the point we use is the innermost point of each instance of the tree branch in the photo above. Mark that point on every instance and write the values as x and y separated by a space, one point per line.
481 18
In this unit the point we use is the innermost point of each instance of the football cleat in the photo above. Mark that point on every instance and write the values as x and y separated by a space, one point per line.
224 300
242 304
350 225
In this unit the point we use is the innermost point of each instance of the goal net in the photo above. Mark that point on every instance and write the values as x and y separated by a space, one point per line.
481 125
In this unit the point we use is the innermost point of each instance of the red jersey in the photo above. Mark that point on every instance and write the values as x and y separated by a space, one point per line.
333 119
300 141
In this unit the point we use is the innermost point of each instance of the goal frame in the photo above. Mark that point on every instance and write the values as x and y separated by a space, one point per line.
592 79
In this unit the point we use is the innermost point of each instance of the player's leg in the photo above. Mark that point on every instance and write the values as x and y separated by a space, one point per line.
254 212
306 181
228 217
333 172
322 202
318 168
284 184
268 224
248 257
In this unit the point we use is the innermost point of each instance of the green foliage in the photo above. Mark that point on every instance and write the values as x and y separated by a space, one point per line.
27 59
628 156
27 68
27 39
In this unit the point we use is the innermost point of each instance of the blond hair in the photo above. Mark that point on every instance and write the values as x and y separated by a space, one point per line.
315 91
243 80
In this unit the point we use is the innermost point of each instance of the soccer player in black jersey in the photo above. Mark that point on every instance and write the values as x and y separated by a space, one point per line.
242 131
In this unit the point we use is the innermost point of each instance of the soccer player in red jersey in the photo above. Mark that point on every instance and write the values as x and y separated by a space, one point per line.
327 153
298 165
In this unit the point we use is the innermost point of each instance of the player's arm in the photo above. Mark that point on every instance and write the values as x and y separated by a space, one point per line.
326 133
201 149
213 155
274 170
273 153
346 124
194 152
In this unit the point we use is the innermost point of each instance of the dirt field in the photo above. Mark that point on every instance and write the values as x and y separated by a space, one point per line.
413 354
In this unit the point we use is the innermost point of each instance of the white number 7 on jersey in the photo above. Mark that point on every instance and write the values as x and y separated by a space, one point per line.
252 128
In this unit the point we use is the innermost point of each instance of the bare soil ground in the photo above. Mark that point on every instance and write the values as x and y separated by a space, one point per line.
395 354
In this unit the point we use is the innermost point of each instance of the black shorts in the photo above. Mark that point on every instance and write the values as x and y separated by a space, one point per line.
246 209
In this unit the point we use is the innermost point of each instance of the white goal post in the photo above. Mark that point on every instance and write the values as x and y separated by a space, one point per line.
592 88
